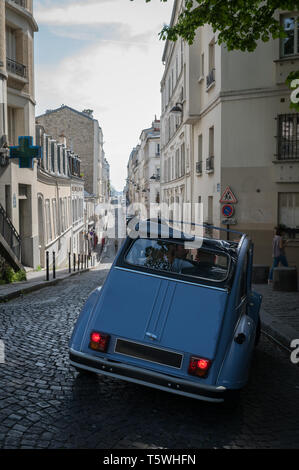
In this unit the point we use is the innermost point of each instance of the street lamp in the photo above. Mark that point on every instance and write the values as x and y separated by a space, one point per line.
177 109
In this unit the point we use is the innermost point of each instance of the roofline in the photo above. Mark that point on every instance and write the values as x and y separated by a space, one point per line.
67 107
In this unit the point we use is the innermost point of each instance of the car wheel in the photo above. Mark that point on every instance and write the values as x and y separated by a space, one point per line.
258 332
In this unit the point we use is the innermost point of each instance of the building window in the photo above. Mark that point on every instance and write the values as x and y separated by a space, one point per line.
11 44
53 157
59 159
290 44
288 211
54 211
288 137
11 116
48 221
183 159
211 75
199 156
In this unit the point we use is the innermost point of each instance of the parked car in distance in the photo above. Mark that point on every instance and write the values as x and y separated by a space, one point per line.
176 313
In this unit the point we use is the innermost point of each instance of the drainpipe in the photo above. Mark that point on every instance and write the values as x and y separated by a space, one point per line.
3 76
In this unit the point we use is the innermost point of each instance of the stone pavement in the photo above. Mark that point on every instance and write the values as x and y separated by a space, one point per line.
279 313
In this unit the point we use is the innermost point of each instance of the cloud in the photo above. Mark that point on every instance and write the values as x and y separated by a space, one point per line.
108 60
107 32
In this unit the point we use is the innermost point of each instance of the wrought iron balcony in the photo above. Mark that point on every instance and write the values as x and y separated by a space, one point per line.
22 3
211 78
198 168
16 68
210 164
288 137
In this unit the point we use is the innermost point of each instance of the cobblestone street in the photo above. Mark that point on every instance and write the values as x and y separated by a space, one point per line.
44 403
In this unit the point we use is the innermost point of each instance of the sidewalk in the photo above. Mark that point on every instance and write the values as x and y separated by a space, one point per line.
279 313
37 279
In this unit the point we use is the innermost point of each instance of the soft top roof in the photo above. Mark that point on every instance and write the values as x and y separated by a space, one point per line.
161 229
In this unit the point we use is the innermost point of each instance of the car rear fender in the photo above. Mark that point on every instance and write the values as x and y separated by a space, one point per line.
236 365
254 305
83 319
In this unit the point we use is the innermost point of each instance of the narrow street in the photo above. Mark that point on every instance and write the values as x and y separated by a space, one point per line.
45 403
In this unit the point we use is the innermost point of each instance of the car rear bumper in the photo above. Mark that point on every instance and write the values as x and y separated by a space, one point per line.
148 378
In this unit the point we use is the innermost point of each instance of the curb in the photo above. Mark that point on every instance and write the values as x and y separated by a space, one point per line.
280 332
41 285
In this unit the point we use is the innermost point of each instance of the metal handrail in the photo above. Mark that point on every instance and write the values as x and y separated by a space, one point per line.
9 233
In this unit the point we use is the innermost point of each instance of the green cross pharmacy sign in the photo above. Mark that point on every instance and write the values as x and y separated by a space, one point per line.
26 152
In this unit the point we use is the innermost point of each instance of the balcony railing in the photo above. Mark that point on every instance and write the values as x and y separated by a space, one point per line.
211 78
210 164
288 137
22 3
198 168
16 68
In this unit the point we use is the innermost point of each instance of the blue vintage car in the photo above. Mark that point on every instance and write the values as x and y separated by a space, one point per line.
176 313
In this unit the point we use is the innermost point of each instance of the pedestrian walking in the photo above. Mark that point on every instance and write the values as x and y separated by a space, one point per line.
278 252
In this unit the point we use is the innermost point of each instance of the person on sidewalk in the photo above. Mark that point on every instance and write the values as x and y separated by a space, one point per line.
278 253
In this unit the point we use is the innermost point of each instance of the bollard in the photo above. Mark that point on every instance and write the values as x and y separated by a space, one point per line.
78 262
47 265
82 262
54 267
74 260
70 267
85 261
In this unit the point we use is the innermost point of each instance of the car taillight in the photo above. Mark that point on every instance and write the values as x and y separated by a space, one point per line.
99 341
199 366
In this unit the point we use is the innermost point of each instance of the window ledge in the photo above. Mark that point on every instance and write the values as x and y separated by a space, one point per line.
289 58
287 161
211 86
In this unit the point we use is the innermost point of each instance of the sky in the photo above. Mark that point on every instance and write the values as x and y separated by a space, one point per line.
103 55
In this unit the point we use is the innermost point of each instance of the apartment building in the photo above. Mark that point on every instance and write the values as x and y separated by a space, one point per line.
143 182
175 133
60 201
17 118
85 138
242 136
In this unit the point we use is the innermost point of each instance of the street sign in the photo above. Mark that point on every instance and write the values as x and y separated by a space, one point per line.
229 221
228 197
228 211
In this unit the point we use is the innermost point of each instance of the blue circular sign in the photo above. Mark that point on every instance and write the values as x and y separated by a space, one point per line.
228 210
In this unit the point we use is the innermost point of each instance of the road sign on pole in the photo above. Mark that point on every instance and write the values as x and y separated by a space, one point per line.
228 197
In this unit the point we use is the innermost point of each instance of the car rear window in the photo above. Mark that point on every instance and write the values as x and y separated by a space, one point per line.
174 257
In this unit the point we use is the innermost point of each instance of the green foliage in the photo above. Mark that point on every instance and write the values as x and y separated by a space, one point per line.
9 276
240 23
